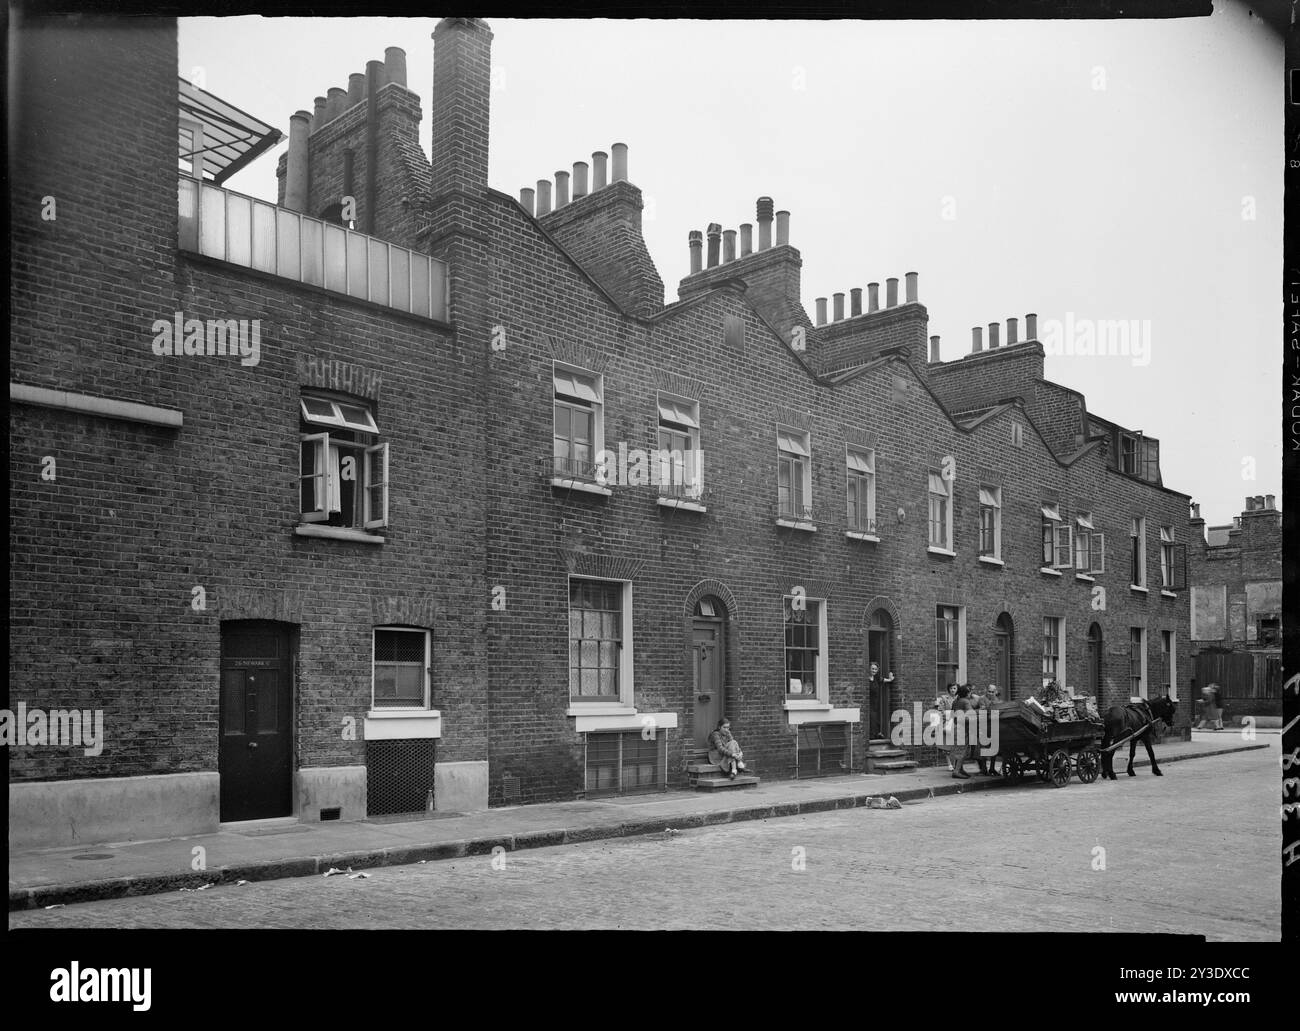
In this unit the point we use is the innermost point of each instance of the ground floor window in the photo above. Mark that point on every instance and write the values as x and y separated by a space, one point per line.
823 749
624 762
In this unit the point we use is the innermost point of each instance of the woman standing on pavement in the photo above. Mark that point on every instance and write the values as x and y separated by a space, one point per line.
957 753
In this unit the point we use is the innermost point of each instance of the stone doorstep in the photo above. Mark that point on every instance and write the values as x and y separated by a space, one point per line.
36 896
723 783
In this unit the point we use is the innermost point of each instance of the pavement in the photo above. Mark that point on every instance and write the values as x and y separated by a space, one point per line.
269 850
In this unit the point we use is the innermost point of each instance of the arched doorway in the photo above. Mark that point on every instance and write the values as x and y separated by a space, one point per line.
709 665
880 672
1094 662
1004 634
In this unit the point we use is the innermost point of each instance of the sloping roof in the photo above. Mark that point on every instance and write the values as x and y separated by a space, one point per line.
231 138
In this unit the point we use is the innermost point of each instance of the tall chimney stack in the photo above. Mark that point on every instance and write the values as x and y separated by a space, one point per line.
395 65
295 171
461 105
764 211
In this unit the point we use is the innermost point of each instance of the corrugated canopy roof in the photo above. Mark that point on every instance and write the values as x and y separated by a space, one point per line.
231 138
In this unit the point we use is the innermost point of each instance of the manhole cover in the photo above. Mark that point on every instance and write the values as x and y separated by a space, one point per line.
95 855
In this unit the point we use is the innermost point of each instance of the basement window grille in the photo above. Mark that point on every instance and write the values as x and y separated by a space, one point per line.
625 763
399 776
822 750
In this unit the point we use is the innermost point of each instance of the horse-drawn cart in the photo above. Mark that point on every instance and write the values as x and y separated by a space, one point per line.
1053 749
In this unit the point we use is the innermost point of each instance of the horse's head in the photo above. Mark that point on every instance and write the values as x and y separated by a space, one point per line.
1164 708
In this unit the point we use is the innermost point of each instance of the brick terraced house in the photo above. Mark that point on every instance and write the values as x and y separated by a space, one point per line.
407 492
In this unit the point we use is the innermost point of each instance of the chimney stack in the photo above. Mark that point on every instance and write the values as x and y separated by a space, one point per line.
334 102
934 350
395 65
1031 326
696 239
746 239
318 115
1196 510
526 198
295 170
579 179
855 301
728 246
561 189
891 293
911 288
543 197
782 228
994 327
764 210
839 306
460 107
976 340
356 89
619 150
821 311
873 297
715 238
1269 502
1012 330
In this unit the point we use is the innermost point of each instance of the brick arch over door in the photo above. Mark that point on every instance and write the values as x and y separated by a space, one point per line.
713 588
881 602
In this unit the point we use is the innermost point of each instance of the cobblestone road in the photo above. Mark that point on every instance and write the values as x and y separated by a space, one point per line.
1014 860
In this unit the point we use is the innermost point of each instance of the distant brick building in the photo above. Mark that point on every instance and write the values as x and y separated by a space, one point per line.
1235 574
380 561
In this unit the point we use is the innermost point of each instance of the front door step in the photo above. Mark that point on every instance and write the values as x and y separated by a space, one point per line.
741 780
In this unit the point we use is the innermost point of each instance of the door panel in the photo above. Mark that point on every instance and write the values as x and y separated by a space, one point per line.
878 689
256 751
708 654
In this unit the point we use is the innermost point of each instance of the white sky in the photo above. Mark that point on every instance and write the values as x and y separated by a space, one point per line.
1119 203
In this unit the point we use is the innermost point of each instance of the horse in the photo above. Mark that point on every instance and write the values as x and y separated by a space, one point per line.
1133 723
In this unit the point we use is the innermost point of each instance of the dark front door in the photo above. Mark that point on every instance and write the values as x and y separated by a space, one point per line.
877 687
708 653
255 760
1004 665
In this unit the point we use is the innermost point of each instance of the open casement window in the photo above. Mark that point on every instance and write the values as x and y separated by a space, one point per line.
1083 542
376 489
1064 542
991 521
1098 553
861 498
343 472
940 512
677 468
793 474
314 477
1138 552
578 429
1149 460
1051 520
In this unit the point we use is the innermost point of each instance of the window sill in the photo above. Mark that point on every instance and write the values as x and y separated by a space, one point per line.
599 709
402 724
805 705
941 551
657 721
337 533
858 535
1169 594
1049 572
828 715
1085 577
1140 590
991 561
582 485
797 524
685 506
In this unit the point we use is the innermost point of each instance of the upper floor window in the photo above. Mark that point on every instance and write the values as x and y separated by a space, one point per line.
1138 552
861 514
401 668
1089 545
991 522
679 469
578 423
599 640
1173 561
805 648
794 474
343 471
1058 537
940 512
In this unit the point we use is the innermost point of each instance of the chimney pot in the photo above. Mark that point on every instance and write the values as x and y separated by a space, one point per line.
620 162
356 88
746 239
715 238
821 311
318 115
855 301
1196 510
782 228
911 287
1031 326
295 171
729 246
934 350
1012 331
1250 504
395 65
598 167
696 239
561 189
976 340
994 329
891 293
764 212
873 297
1268 501
579 179
526 198
543 197
337 97
838 306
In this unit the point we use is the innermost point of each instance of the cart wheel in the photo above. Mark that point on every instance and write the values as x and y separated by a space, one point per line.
1059 767
1089 765
1043 769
